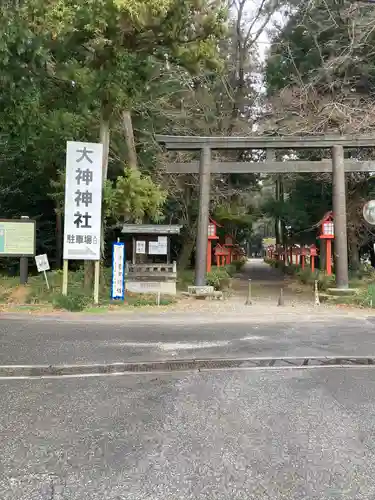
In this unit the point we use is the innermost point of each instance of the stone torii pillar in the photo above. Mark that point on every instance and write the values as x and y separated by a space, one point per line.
339 213
203 216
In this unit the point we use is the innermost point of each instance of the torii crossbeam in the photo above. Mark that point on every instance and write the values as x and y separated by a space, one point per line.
338 166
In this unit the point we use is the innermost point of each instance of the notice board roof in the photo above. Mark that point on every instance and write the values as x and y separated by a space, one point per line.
151 229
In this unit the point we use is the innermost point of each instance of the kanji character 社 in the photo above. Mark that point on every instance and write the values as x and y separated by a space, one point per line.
82 220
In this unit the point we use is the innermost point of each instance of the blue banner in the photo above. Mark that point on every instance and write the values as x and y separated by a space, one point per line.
118 271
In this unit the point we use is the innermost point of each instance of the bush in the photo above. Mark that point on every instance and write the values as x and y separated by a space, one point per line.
325 281
369 299
364 273
230 269
75 301
305 276
292 269
238 264
219 278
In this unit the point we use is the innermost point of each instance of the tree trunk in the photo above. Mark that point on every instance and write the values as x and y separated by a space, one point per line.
185 254
129 138
104 139
354 259
59 239
188 243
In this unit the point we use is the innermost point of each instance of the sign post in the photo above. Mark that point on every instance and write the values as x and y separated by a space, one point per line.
118 271
83 206
42 265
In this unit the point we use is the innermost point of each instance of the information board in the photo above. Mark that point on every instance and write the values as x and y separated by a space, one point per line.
17 238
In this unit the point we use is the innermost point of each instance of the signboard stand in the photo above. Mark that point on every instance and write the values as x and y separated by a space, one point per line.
24 264
24 270
83 207
42 265
96 281
65 277
45 277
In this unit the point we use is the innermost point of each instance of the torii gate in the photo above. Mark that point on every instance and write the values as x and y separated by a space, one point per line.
338 166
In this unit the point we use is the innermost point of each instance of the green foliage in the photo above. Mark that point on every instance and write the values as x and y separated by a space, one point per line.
134 197
220 277
370 296
305 276
75 301
238 264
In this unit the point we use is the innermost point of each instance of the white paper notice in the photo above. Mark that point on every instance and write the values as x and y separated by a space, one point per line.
140 247
157 248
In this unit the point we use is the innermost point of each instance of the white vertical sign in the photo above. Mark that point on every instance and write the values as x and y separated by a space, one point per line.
83 201
140 247
118 271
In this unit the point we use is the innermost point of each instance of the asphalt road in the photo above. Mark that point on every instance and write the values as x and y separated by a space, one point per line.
289 434
254 435
97 340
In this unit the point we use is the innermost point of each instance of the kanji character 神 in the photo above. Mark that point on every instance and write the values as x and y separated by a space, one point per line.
82 220
84 154
84 197
85 176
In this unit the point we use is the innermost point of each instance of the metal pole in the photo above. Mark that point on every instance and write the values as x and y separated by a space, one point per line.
248 300
339 213
45 277
204 207
24 264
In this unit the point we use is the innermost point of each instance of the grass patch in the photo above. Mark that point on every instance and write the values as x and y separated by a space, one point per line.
362 279
36 294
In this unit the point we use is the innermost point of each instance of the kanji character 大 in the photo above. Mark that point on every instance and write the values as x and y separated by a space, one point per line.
84 154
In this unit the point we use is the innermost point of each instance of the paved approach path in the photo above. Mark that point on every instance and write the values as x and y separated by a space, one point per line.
266 283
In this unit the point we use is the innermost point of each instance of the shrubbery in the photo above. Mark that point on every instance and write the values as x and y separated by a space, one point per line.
221 277
305 276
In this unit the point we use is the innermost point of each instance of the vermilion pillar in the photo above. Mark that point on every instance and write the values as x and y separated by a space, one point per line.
209 255
329 257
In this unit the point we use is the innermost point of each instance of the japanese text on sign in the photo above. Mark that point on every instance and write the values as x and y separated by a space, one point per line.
118 270
83 201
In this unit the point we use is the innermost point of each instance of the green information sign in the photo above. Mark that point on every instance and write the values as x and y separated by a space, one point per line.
17 237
